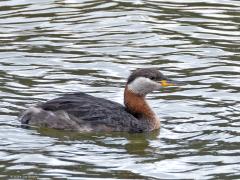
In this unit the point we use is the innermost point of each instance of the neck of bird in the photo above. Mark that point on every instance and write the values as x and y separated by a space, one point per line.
137 105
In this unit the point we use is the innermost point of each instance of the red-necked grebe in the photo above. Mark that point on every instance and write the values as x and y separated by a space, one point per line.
83 112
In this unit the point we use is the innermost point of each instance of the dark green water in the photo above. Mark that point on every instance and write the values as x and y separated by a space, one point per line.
51 47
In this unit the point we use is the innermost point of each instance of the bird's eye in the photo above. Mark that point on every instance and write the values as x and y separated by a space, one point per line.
152 78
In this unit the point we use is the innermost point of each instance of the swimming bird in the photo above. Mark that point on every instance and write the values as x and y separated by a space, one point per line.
82 112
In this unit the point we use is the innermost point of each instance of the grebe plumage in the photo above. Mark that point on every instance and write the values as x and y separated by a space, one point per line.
83 112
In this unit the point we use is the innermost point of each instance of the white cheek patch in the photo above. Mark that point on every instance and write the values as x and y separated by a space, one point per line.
142 85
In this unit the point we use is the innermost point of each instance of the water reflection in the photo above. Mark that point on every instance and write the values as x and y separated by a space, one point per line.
52 47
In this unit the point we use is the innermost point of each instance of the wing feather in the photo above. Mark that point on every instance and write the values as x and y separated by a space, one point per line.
87 109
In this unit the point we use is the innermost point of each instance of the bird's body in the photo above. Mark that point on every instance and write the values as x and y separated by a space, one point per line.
83 112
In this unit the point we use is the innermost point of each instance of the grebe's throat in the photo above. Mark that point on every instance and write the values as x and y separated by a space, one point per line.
137 105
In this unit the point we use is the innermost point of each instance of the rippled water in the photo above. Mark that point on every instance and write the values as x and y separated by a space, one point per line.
50 47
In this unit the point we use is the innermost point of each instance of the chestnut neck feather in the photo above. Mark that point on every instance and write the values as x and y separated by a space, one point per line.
137 106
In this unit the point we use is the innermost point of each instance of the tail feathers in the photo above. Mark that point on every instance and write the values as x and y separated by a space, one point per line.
26 116
38 117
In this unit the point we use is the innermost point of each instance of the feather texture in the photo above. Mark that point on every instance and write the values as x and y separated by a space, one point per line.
83 112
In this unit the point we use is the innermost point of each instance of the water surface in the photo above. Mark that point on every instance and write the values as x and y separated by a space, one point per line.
49 47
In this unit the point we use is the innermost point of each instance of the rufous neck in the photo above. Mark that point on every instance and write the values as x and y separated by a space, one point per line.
138 106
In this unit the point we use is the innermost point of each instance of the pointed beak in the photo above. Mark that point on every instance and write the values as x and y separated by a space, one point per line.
169 82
